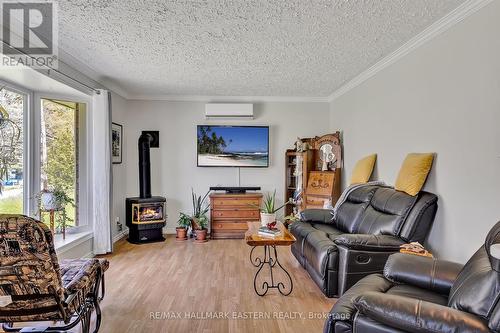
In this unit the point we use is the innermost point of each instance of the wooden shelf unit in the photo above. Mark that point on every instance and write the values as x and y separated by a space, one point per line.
230 213
311 165
290 179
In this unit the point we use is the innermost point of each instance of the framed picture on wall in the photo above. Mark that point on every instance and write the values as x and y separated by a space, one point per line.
116 143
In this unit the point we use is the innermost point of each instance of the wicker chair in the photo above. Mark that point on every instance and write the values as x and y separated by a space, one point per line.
35 287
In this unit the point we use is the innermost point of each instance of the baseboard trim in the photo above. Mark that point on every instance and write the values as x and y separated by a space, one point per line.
457 15
120 235
89 255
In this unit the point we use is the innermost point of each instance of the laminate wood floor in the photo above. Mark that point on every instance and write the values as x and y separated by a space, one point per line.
184 287
157 287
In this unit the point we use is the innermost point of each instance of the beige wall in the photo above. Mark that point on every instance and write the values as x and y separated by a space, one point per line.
444 97
174 169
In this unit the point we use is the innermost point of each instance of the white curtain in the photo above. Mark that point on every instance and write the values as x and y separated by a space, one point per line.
101 171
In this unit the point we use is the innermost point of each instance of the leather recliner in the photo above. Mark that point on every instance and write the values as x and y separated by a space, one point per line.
420 294
369 226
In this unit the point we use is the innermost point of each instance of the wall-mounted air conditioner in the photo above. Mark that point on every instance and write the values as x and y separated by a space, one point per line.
229 110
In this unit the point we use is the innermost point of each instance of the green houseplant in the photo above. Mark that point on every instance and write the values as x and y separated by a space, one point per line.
268 209
53 200
198 221
184 223
200 208
201 233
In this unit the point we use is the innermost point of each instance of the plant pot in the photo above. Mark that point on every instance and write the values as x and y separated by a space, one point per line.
194 226
181 233
201 235
266 218
49 202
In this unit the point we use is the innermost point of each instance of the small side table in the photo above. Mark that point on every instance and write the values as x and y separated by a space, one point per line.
270 258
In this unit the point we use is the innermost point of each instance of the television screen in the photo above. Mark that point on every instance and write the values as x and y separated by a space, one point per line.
233 146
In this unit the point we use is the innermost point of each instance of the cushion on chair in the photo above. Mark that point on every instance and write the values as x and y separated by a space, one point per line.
413 173
79 277
363 169
351 211
78 274
29 271
386 212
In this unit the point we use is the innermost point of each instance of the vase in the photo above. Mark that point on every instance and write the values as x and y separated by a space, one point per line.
266 218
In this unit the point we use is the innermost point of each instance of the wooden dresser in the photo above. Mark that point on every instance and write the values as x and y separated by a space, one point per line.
230 213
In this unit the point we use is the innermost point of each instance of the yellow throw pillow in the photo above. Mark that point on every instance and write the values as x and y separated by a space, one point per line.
413 173
363 169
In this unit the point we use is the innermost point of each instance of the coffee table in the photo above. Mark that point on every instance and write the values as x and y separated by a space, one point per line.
270 257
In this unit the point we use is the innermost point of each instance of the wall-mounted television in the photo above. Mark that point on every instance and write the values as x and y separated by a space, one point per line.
233 146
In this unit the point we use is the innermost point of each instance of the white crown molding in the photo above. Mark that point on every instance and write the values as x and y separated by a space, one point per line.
114 87
207 99
457 15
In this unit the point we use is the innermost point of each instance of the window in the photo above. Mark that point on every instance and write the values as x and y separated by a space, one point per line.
59 152
12 114
43 146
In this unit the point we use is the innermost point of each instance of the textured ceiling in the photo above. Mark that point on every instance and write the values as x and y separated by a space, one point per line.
241 47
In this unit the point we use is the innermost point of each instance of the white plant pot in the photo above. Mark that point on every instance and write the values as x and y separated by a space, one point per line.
266 218
49 202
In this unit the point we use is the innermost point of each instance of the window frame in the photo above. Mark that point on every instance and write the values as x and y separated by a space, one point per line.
84 154
28 139
31 150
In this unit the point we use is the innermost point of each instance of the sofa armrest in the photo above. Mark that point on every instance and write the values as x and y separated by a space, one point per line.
422 272
317 215
412 315
369 242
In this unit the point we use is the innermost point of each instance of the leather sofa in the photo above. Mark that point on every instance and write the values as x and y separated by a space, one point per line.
369 226
420 294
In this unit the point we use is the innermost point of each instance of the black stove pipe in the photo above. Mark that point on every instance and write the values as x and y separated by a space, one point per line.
144 166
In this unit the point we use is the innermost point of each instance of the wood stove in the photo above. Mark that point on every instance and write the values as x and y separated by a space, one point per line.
145 214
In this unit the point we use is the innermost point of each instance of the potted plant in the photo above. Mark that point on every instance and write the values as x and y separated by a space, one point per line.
201 232
55 200
184 223
268 209
200 210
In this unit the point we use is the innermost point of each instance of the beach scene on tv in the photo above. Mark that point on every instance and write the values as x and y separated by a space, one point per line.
233 146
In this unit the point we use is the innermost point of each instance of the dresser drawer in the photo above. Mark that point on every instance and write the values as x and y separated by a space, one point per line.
312 201
235 213
235 202
229 214
229 226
